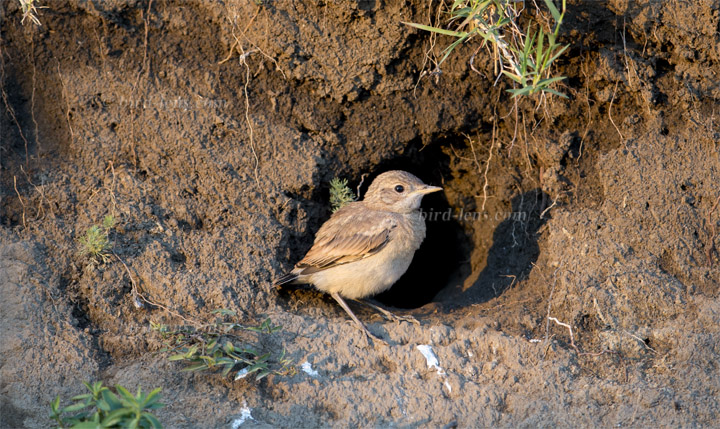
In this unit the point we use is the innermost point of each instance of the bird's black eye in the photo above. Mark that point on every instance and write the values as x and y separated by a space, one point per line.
399 189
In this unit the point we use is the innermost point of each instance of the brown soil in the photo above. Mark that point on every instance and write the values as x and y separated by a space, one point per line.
218 172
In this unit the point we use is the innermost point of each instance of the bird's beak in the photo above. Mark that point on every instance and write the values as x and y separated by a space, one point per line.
428 189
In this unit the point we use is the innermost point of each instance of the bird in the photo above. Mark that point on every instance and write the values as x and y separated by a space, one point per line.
367 245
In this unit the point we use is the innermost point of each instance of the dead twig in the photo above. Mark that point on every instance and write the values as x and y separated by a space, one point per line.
710 246
67 103
111 188
569 328
237 44
362 180
40 211
575 347
622 139
583 69
479 168
32 98
547 321
429 53
551 206
641 341
487 164
515 131
247 111
22 203
549 318
139 298
600 315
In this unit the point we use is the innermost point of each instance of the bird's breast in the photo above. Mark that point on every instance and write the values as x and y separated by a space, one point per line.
410 232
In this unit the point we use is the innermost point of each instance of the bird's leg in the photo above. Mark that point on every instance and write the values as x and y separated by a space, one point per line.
391 316
345 307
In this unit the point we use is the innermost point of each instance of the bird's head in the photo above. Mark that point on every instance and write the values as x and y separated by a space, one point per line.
397 191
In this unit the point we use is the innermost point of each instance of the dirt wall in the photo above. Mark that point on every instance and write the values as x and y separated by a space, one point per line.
581 290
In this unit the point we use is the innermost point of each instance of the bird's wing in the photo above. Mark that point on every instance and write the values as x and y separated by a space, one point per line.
351 234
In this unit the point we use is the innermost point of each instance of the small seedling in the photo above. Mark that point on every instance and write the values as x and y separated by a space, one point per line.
218 346
340 194
95 244
101 408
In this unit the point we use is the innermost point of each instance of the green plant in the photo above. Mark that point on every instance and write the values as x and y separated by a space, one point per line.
95 244
101 408
218 346
525 57
340 194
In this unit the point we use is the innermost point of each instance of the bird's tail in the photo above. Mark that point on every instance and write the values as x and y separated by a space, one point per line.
286 279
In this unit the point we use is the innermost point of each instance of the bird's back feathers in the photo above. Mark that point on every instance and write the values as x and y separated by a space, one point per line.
353 233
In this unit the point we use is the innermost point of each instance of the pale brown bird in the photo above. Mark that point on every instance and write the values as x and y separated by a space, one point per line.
366 245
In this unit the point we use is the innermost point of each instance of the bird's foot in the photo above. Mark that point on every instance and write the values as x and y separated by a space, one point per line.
372 338
369 335
391 316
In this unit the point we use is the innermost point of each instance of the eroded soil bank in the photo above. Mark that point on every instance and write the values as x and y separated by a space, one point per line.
573 281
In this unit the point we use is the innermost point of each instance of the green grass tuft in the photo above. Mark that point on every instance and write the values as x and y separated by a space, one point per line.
526 57
95 244
101 408
218 347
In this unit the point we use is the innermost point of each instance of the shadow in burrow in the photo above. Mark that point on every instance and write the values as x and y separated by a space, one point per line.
507 261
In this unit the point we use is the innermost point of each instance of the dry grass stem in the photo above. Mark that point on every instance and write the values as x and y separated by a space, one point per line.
622 139
22 203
